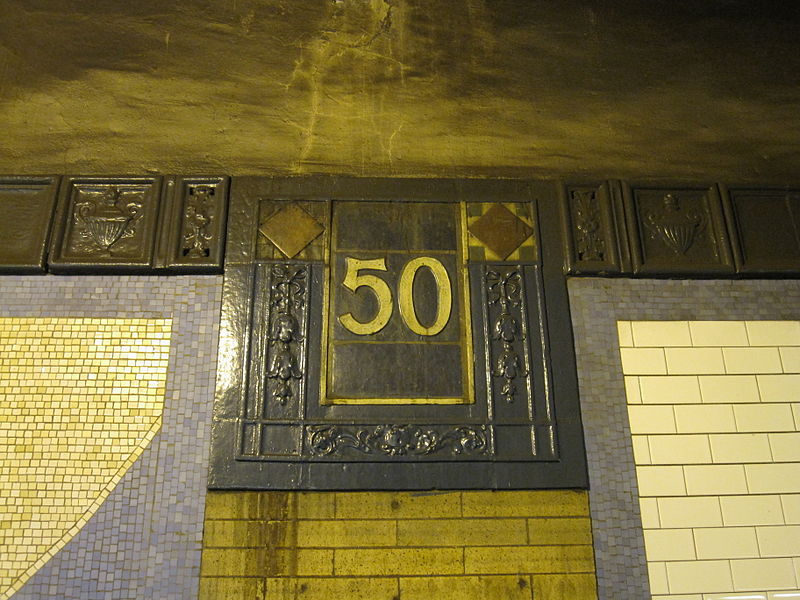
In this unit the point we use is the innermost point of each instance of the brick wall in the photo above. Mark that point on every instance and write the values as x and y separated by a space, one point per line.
392 546
714 410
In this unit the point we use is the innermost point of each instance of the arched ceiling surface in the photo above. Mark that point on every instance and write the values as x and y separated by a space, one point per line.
402 87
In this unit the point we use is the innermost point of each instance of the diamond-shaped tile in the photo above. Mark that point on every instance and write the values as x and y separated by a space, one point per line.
291 229
500 230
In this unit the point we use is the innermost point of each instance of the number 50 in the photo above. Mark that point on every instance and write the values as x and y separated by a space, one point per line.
405 297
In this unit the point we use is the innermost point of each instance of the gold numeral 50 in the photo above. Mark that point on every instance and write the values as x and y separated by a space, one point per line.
405 296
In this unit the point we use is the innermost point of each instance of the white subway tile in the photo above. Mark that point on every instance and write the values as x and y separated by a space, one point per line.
657 572
736 596
679 449
740 448
669 544
779 388
641 450
773 333
660 481
790 358
699 576
762 574
786 594
751 510
689 512
648 508
632 393
661 333
729 388
670 389
643 361
726 542
791 508
774 478
651 419
785 446
781 540
718 333
704 418
707 480
752 360
624 333
694 361
763 417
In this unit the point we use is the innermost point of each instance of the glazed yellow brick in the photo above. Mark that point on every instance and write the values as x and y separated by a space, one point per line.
461 532
346 533
528 559
576 586
547 503
270 562
252 534
315 505
405 505
507 587
325 588
398 561
262 506
231 588
560 531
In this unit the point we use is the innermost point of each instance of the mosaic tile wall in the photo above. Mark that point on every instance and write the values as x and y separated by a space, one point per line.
144 541
714 409
596 306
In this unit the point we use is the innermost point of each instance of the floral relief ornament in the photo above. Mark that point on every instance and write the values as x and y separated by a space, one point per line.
504 289
288 289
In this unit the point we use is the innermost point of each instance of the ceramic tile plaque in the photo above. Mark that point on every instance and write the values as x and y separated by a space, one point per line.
393 334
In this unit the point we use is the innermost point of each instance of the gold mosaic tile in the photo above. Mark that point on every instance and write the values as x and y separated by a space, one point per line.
80 399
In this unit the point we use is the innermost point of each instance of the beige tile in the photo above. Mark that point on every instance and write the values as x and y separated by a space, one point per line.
669 544
751 510
729 388
641 450
699 576
773 479
773 333
669 389
752 360
781 540
726 542
718 333
660 481
779 388
707 480
796 561
796 415
705 418
657 572
763 417
648 508
651 419
679 449
740 448
676 512
643 361
763 574
791 508
785 446
661 333
632 393
790 359
625 334
694 361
